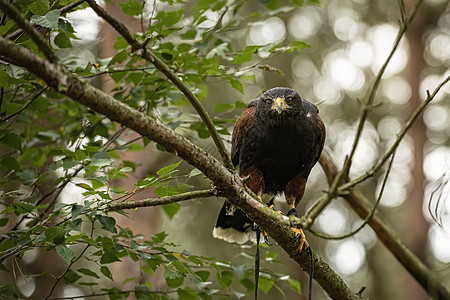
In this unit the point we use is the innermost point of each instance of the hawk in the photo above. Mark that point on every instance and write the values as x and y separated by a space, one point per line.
276 141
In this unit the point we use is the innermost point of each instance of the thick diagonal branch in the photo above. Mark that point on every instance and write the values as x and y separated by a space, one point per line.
228 184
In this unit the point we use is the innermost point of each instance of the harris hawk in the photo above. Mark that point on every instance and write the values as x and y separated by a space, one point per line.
276 141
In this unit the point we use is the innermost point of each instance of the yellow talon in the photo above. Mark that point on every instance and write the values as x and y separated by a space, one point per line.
300 235
272 208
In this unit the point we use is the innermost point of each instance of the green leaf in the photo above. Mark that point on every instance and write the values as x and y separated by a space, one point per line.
297 2
246 55
62 41
132 8
66 253
88 272
27 177
74 225
187 294
142 292
3 221
221 107
236 84
173 278
105 271
12 140
168 170
55 234
4 81
248 284
164 191
108 257
49 20
265 283
204 275
170 18
271 4
159 237
225 278
297 45
171 209
10 163
119 58
201 129
294 285
38 7
68 164
76 211
194 173
71 277
120 43
108 223
101 159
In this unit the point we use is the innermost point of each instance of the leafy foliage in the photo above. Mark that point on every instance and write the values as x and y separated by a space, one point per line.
49 143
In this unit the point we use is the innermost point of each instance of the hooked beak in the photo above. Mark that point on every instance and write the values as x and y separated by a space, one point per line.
279 105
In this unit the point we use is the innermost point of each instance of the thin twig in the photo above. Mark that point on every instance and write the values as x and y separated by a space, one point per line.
380 162
368 217
375 84
161 200
25 106
70 265
423 275
334 189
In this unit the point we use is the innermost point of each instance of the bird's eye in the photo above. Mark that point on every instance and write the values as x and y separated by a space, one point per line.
289 100
268 101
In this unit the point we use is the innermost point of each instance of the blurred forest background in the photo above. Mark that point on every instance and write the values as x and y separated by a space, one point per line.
348 43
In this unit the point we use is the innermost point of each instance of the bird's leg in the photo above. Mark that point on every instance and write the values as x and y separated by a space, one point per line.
299 234
266 236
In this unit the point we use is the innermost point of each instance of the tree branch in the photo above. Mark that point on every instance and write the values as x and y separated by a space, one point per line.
334 190
387 236
161 200
16 34
380 162
228 184
12 12
145 53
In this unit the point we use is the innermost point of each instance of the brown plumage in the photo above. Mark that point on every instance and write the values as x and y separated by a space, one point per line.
276 141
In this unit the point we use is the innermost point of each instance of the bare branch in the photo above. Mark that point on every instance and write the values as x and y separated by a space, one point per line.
382 160
368 217
334 189
387 236
376 82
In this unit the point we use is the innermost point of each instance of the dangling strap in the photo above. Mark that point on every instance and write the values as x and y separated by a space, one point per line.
311 273
257 262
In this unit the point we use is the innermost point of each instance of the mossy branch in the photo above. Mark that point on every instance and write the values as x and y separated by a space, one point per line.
228 184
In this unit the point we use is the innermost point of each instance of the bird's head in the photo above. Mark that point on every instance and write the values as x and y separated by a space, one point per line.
280 103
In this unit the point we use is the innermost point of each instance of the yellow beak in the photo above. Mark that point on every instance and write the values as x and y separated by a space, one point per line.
279 105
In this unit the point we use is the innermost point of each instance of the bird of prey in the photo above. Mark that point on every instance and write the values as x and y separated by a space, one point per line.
276 141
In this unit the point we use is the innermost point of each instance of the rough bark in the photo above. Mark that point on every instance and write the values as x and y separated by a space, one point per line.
228 184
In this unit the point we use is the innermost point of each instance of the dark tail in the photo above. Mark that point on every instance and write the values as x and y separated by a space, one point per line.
233 225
